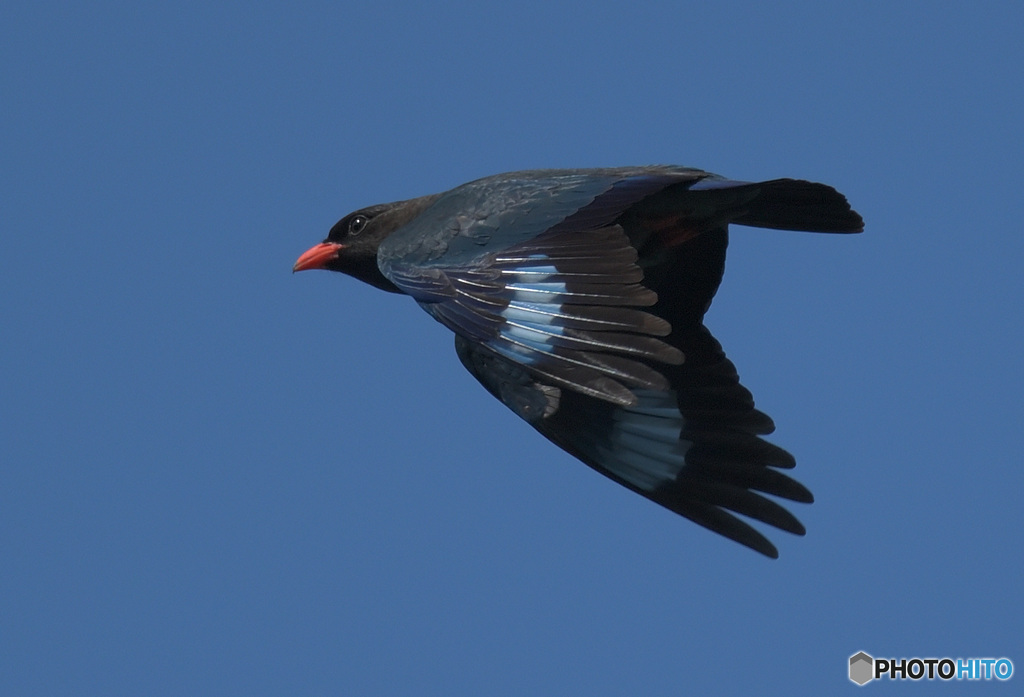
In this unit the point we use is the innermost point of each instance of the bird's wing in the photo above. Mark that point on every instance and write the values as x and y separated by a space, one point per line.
691 446
567 306
543 278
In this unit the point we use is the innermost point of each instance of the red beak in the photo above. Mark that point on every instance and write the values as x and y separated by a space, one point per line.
318 256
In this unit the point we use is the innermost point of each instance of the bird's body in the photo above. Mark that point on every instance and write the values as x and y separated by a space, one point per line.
577 298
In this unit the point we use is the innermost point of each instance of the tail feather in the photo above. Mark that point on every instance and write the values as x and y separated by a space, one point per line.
794 204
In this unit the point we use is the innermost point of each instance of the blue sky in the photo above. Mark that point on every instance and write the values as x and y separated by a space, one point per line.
220 478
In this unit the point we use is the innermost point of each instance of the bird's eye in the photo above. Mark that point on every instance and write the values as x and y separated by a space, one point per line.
357 224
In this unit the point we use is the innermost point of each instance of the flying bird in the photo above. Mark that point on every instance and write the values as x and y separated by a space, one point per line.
577 298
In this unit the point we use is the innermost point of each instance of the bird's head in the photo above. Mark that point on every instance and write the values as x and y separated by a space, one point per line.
351 245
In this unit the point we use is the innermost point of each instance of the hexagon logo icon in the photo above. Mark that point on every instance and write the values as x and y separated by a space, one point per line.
862 668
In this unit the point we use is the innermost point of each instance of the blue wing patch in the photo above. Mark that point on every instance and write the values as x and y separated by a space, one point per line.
644 446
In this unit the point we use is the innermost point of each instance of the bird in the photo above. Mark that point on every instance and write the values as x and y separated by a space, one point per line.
577 298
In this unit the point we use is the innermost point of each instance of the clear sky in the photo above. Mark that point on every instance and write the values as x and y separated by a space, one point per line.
220 478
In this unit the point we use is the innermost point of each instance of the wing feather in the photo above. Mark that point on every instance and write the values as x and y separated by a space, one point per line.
568 305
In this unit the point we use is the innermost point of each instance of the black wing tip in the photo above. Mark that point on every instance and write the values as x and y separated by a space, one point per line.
723 509
749 538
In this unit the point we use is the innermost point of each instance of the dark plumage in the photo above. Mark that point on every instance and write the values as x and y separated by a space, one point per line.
577 298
